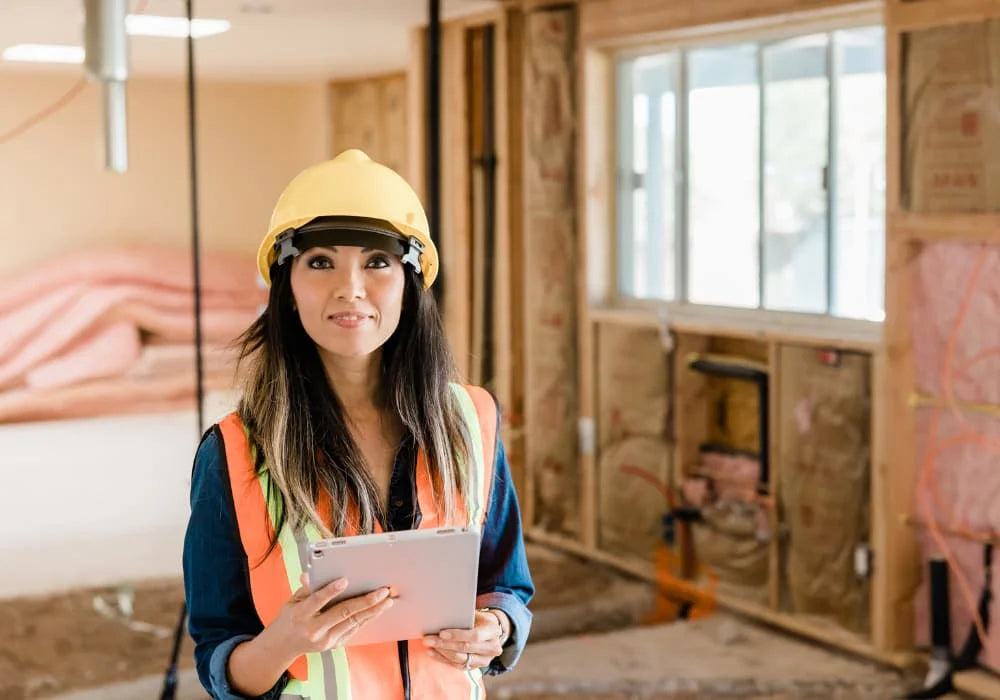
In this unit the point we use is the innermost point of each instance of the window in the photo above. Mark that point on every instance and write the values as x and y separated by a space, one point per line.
753 175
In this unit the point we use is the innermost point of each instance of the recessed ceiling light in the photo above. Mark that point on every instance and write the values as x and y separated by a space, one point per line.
136 25
44 53
173 27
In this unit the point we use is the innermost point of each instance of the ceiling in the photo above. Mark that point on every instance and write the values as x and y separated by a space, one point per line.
280 40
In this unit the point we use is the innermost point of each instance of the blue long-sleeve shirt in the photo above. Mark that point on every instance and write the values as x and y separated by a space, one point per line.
216 575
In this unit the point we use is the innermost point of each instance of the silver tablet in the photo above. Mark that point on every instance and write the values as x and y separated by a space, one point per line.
432 575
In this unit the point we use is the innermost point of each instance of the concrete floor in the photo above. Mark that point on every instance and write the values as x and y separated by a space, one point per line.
149 688
586 645
718 657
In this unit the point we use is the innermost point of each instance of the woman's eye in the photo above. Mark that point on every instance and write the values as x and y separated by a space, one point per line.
320 262
378 262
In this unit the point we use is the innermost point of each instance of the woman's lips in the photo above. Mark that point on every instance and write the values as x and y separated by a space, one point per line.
349 319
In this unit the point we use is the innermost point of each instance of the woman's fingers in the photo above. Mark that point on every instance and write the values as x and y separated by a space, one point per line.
321 598
355 617
453 645
355 611
457 659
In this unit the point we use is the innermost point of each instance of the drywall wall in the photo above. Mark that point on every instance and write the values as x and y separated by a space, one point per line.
96 501
54 191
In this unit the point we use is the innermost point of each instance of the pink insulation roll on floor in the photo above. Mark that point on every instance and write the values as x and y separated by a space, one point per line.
956 343
92 332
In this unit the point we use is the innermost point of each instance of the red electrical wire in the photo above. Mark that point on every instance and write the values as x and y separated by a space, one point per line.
67 97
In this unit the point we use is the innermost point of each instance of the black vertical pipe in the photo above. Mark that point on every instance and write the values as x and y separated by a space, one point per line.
195 237
169 689
434 133
940 610
489 162
763 419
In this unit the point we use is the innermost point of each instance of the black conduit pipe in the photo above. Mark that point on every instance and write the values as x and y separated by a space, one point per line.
433 154
489 164
169 690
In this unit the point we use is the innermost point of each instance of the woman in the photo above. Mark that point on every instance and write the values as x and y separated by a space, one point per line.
349 422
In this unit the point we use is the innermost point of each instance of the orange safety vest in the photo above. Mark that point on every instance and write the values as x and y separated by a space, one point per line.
369 672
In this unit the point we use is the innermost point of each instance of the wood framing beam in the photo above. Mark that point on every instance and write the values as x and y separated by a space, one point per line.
503 321
586 366
955 228
896 555
456 241
774 472
416 98
979 684
524 479
927 14
610 21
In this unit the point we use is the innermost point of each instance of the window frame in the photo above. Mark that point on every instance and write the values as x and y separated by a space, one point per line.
763 34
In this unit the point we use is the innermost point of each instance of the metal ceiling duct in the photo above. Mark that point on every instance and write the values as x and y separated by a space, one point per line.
106 46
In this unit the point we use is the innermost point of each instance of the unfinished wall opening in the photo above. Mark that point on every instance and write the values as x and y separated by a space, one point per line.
633 453
824 495
722 440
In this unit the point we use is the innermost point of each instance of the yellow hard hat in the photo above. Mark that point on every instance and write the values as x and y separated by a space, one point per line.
350 200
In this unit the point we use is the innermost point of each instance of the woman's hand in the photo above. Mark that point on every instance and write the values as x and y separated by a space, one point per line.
473 648
303 626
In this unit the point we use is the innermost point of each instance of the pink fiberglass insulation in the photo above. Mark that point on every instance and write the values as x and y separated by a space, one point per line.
956 342
734 477
75 330
944 273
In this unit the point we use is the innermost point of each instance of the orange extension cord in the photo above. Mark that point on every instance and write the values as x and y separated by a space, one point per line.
67 97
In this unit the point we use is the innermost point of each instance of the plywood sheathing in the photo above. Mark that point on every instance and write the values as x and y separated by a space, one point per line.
824 433
550 262
952 124
371 114
633 453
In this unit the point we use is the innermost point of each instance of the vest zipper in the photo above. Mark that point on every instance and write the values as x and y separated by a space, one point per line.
403 648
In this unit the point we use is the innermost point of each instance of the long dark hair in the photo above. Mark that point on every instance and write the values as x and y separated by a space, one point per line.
298 426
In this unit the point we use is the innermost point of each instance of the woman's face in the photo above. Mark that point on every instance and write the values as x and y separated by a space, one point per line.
348 298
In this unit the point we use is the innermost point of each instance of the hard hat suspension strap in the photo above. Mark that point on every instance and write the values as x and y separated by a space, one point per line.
349 231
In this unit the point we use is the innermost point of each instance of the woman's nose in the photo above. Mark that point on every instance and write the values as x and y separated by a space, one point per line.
349 284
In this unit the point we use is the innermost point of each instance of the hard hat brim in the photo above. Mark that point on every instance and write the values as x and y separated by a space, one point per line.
332 231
